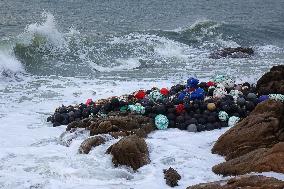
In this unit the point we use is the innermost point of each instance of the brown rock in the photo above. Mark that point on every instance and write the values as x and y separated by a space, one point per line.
145 130
118 134
130 124
104 127
84 123
243 182
89 143
263 128
130 151
259 160
272 81
172 177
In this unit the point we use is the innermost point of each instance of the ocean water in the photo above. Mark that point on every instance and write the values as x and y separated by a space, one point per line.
64 52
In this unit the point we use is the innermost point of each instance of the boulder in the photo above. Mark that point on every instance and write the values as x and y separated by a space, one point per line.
84 123
172 177
103 127
131 124
245 182
263 128
131 151
239 52
144 130
118 134
116 124
259 160
272 81
89 143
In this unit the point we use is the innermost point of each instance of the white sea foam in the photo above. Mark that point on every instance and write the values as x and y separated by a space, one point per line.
9 65
269 50
120 65
48 28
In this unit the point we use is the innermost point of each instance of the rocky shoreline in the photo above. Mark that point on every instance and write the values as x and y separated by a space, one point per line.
255 113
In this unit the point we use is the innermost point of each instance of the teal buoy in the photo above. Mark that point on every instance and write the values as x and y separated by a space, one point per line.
223 116
233 121
155 96
161 122
137 108
278 97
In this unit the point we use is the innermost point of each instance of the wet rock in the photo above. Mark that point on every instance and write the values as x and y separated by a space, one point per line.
263 128
272 81
104 127
91 142
259 160
67 137
131 151
172 177
144 130
245 182
137 124
118 134
78 124
239 52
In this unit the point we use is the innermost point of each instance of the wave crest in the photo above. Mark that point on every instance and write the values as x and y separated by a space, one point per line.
9 65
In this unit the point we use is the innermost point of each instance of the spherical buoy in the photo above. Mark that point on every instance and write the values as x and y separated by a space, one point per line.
233 121
241 101
192 128
155 96
263 98
251 96
223 116
161 122
211 106
164 91
278 97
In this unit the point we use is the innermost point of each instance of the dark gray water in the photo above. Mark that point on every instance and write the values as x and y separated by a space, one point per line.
139 38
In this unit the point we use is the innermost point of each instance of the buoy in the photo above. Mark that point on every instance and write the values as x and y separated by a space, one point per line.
161 122
192 128
164 91
140 94
223 116
155 96
263 98
278 97
233 121
211 106
137 108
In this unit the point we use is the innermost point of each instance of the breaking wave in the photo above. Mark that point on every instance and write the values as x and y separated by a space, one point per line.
9 65
44 49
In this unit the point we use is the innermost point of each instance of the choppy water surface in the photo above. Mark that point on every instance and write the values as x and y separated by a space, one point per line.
63 52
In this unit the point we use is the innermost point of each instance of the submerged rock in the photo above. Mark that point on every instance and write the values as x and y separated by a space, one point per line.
67 137
131 151
245 182
91 142
239 52
172 177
